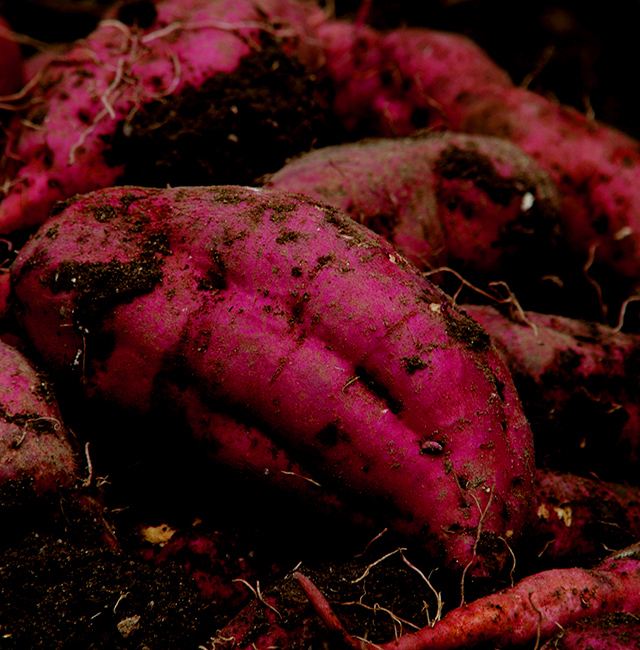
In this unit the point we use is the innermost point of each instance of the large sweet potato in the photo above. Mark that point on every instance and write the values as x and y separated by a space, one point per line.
287 334
200 95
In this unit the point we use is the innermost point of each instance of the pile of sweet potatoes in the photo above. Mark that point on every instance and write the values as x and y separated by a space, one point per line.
384 331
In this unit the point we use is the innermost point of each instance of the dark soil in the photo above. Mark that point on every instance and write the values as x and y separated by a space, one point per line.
58 595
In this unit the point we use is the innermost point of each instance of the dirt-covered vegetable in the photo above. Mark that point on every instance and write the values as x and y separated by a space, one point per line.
245 310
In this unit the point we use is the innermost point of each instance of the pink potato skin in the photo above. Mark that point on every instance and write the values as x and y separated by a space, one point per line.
443 199
35 450
610 632
282 317
84 93
578 383
419 77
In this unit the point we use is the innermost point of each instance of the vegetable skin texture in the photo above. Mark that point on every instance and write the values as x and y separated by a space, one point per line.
578 381
475 203
101 85
427 78
577 518
529 611
264 308
612 632
36 456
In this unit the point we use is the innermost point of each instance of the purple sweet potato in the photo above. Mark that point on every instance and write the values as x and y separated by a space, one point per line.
198 96
474 203
269 317
36 455
421 77
530 611
368 80
579 385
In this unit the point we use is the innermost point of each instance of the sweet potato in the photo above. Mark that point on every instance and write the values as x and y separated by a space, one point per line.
270 319
419 77
198 96
474 203
437 197
531 610
579 385
36 455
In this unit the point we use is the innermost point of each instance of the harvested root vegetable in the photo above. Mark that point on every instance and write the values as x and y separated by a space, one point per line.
196 97
40 484
392 84
578 518
298 345
36 455
578 382
474 203
530 611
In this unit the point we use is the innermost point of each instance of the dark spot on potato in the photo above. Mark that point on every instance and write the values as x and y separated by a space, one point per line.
330 435
297 308
84 116
37 115
379 390
216 275
413 364
464 329
287 236
103 213
568 360
281 209
99 287
296 272
455 163
52 232
47 156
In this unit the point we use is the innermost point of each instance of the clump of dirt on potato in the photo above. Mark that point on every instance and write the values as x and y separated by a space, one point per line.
233 129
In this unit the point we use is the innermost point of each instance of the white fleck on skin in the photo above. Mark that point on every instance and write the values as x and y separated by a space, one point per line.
527 202
623 233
